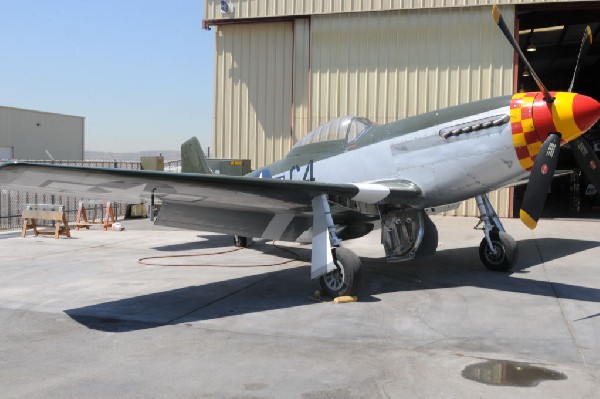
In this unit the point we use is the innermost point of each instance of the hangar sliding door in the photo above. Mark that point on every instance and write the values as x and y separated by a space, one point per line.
390 65
253 92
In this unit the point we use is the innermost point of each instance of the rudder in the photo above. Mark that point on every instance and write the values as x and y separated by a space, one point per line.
192 158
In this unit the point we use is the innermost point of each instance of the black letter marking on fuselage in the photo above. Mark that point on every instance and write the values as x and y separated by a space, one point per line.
309 171
296 168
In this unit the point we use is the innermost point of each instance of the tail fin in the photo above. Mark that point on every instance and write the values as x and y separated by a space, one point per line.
192 158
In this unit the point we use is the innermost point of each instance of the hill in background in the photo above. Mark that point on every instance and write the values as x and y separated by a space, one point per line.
170 155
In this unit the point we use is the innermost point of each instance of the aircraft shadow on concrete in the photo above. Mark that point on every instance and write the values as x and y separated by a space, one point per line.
461 267
206 242
290 287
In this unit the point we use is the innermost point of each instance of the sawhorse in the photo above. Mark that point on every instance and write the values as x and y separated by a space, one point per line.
34 212
108 217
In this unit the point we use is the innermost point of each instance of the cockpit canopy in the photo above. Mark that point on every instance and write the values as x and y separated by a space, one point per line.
345 128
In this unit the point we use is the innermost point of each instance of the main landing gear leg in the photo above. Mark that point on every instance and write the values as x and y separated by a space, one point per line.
338 269
498 251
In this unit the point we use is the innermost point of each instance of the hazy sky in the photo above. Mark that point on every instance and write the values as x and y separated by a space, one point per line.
139 71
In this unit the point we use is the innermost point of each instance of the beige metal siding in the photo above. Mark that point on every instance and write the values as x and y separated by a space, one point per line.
301 84
284 8
390 65
31 133
253 91
500 200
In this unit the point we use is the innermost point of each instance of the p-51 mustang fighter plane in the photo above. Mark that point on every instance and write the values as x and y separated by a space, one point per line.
344 176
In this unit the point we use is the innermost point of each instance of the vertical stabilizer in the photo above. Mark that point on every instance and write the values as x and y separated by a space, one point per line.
192 157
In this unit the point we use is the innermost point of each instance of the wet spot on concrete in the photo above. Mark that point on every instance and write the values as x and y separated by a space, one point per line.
508 373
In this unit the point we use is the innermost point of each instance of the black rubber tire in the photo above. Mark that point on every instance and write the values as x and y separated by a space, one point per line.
241 241
507 252
347 279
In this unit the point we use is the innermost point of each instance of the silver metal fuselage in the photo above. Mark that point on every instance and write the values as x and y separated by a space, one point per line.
446 169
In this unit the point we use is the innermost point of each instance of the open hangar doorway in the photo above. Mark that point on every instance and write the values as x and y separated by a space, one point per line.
550 37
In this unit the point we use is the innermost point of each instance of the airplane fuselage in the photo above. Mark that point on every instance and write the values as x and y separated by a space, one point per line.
451 155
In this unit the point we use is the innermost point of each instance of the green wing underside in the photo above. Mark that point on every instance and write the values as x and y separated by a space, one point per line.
225 204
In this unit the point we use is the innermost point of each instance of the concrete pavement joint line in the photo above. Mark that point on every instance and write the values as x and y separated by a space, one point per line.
80 248
123 241
588 317
270 275
143 261
560 305
353 343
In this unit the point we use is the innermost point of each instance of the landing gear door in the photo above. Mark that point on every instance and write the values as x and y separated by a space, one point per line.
403 233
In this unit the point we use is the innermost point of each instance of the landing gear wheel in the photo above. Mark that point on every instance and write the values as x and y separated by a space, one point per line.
347 278
507 252
241 241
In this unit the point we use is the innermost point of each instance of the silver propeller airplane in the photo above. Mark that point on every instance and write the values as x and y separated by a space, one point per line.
347 175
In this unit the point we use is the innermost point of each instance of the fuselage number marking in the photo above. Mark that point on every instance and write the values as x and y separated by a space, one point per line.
308 172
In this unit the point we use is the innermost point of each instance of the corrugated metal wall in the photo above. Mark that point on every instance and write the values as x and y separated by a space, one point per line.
390 65
301 86
279 8
253 91
31 133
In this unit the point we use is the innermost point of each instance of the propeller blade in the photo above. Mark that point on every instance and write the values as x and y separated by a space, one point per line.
540 179
502 25
586 42
587 160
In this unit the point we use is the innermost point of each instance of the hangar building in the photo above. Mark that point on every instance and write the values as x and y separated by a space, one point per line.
31 135
284 67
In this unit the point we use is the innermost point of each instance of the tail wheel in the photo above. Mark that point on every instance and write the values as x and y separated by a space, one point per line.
348 276
241 241
505 253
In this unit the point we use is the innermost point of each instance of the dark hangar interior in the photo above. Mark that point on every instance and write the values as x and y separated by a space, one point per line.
550 35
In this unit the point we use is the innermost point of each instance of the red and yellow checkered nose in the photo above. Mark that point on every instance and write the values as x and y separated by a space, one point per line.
533 119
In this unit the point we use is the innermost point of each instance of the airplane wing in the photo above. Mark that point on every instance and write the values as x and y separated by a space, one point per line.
254 207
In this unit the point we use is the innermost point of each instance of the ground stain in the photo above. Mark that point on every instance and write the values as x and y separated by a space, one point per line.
330 394
255 387
509 373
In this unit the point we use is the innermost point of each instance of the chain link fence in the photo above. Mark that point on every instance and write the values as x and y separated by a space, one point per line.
173 166
12 202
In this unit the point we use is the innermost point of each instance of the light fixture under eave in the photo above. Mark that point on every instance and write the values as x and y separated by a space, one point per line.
531 48
226 8
526 73
541 30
